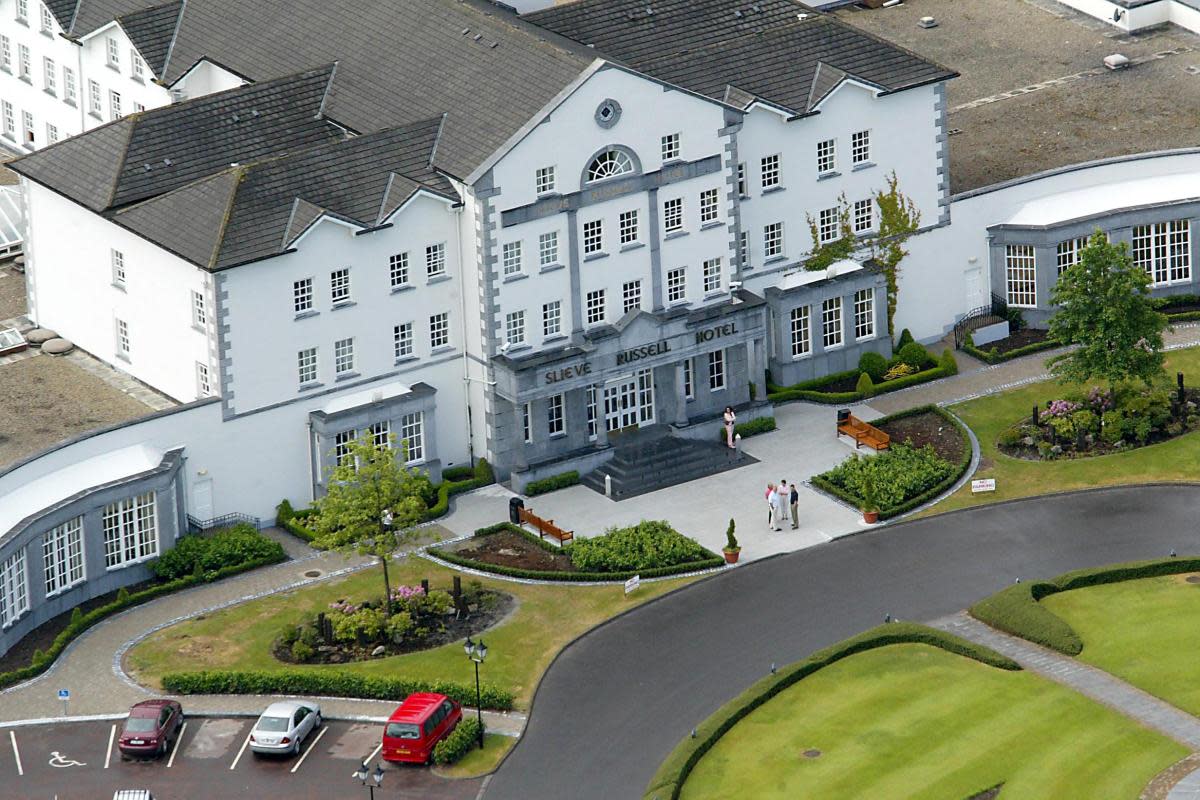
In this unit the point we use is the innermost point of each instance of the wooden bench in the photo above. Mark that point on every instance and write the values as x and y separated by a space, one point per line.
863 433
544 527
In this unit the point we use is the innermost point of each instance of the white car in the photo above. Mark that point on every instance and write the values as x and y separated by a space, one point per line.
284 726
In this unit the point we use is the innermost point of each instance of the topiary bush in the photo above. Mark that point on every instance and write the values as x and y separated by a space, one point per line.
914 355
647 545
873 364
905 338
458 743
947 362
865 386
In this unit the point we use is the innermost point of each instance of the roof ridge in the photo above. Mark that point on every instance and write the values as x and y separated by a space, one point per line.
328 87
120 170
239 173
174 36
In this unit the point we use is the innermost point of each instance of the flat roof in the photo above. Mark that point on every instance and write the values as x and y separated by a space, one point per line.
1032 93
51 489
1083 203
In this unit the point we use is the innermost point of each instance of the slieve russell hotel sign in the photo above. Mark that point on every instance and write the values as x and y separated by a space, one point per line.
642 351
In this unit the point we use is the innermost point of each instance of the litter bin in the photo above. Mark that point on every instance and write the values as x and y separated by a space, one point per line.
514 516
843 415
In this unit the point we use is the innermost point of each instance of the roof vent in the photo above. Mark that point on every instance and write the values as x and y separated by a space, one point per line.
477 36
1116 61
649 11
756 8
737 13
235 118
146 167
494 45
802 16
465 31
927 22
167 162
254 113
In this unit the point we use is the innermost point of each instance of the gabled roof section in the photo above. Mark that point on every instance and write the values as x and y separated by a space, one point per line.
254 211
771 49
827 79
156 151
151 31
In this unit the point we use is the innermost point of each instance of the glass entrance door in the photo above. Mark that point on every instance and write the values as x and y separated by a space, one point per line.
620 404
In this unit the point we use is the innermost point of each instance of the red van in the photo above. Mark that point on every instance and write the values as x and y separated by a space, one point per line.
420 722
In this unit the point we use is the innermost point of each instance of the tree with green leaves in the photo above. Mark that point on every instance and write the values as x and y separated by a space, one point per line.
373 503
899 218
1105 309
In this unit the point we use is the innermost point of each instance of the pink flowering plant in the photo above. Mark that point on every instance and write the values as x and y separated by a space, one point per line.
1062 408
1100 399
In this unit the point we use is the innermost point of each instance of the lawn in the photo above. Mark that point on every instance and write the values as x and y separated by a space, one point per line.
519 648
1176 460
914 721
479 762
1142 631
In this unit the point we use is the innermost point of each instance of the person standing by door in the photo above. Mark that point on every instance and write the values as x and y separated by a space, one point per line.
794 499
730 419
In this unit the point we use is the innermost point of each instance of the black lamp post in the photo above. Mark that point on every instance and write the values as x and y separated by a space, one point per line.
377 776
477 652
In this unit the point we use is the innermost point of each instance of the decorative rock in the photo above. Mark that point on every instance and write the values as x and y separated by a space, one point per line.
57 347
378 651
1027 441
1056 450
39 336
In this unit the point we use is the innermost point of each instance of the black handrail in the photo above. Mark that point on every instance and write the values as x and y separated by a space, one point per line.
998 309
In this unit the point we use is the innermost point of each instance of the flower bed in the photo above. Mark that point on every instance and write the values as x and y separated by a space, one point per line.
1019 343
906 476
907 368
1096 423
649 549
419 620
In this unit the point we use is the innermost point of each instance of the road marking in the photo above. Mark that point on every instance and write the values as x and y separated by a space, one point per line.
16 753
175 749
61 761
374 753
320 733
112 732
239 755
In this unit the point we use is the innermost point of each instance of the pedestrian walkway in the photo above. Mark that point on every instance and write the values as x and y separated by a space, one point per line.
1087 680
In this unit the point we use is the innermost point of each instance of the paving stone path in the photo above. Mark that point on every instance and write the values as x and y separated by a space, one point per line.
90 667
1087 680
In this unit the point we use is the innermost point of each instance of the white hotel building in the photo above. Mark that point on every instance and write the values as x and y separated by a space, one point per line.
508 237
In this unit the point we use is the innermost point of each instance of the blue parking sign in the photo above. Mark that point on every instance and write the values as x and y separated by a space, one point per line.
64 694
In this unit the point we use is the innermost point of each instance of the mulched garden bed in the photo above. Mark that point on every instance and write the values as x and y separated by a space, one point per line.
1015 340
1182 308
507 549
494 606
927 428
41 637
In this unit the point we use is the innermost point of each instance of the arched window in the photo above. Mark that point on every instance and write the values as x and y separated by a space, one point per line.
609 164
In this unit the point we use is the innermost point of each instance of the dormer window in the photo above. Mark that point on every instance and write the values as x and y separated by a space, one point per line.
609 164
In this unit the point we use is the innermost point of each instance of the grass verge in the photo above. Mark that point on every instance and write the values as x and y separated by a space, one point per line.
479 762
914 721
519 648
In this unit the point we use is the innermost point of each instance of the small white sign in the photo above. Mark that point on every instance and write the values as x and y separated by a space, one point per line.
984 485
64 694
633 583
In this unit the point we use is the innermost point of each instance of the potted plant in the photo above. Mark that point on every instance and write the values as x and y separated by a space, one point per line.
731 549
870 497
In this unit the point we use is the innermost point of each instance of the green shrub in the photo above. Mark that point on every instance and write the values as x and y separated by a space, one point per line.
900 472
198 554
864 386
483 472
668 781
905 338
947 362
284 512
647 545
805 390
559 481
76 615
872 364
122 595
748 429
458 743
914 355
38 658
327 683
302 651
461 472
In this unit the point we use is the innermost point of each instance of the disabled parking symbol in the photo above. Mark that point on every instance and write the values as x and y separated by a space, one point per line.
61 761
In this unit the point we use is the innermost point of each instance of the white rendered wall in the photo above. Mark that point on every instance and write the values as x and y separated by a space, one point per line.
264 336
116 78
903 130
475 361
568 141
206 78
71 291
934 277
32 96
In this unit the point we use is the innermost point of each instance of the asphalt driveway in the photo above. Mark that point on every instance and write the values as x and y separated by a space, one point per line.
617 701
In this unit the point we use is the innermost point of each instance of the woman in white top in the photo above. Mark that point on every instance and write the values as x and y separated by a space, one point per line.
730 419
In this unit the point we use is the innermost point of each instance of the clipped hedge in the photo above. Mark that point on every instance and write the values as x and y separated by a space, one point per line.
710 561
803 391
560 481
924 497
1018 610
748 429
328 683
996 358
673 772
123 601
458 743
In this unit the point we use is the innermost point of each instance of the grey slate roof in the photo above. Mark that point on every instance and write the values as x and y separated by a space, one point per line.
708 45
156 151
81 17
253 211
151 31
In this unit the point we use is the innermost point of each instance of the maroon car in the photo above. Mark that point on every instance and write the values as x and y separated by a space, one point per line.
150 728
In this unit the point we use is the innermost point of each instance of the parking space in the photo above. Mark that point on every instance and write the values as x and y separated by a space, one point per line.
80 761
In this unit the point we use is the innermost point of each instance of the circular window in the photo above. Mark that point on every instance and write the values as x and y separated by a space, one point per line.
607 113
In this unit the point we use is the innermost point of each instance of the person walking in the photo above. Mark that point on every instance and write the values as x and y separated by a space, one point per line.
730 419
794 499
778 499
770 505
